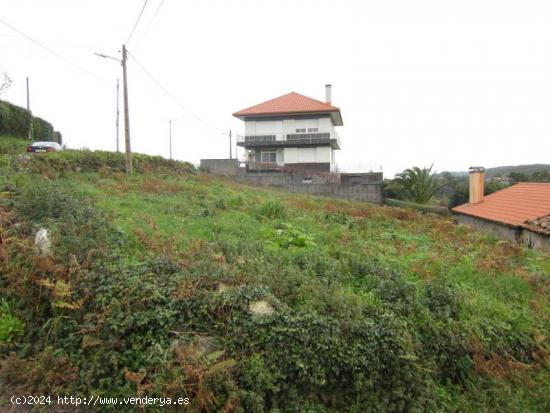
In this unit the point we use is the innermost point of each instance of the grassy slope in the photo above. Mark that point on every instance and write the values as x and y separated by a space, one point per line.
501 287
497 282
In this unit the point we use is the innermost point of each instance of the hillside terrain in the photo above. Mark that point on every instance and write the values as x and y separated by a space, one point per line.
246 299
506 170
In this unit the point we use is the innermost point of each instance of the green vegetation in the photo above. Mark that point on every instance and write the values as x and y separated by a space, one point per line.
150 286
14 121
417 185
432 209
455 191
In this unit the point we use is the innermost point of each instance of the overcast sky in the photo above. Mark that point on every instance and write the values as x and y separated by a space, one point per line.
454 83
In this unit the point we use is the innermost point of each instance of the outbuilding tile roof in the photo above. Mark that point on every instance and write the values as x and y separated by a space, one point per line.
515 205
541 225
291 103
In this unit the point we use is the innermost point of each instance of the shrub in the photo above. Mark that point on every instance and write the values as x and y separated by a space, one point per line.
94 161
10 325
75 226
272 209
433 209
14 120
287 235
367 366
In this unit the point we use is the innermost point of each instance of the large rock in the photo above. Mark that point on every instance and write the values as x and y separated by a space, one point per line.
43 243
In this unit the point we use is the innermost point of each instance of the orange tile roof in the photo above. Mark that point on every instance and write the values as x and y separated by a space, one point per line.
515 205
290 103
540 225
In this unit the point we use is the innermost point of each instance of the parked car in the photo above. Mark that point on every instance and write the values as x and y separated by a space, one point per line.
44 147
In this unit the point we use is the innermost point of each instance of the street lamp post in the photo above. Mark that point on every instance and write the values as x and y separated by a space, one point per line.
128 162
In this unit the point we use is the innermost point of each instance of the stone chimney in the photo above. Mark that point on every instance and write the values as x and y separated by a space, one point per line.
477 184
328 93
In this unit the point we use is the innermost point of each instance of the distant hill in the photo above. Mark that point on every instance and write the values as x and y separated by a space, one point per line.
526 169
505 170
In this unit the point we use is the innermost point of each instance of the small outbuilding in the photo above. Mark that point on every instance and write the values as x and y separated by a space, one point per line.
519 213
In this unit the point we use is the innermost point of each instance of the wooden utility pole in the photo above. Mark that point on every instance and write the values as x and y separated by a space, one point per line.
29 110
230 146
117 114
126 112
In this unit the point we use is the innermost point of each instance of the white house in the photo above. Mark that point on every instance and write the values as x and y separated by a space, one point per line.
291 132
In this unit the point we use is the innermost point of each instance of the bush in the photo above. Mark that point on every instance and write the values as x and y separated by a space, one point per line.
272 209
14 120
287 235
10 325
76 227
300 357
94 161
433 209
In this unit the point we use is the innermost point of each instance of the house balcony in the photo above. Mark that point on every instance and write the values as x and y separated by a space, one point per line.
263 166
289 140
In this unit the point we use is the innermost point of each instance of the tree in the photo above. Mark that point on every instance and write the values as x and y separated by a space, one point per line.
5 83
518 177
417 185
540 176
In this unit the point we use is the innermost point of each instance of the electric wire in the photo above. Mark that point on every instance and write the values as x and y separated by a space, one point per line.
137 22
72 45
39 44
150 24
172 96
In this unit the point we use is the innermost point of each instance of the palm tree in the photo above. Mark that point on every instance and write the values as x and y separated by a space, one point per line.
417 184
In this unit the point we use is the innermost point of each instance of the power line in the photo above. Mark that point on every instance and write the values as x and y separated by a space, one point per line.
150 24
51 51
77 46
137 21
172 96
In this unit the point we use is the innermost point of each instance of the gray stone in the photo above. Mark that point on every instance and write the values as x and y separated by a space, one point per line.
43 243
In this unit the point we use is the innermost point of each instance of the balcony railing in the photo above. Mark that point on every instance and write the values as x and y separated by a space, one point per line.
259 138
266 166
308 136
294 138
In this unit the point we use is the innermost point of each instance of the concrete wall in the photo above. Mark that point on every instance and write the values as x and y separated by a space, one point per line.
368 192
501 231
535 240
361 178
294 183
322 184
228 167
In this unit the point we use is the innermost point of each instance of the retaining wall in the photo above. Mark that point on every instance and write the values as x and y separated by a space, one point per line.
369 190
227 167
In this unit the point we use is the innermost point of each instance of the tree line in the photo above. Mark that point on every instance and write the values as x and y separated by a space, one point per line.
424 186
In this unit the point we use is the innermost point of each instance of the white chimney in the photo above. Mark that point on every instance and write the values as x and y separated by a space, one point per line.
328 93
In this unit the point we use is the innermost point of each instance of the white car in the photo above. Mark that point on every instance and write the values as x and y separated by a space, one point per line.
45 147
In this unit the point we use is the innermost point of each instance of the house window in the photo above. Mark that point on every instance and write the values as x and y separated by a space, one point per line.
270 156
300 130
313 129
